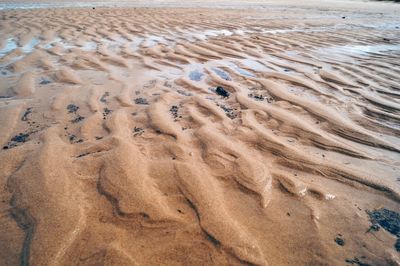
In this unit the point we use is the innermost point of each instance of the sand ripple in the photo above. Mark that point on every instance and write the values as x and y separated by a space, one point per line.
117 149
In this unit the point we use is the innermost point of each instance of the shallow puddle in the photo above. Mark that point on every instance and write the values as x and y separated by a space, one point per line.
222 74
10 45
359 49
196 75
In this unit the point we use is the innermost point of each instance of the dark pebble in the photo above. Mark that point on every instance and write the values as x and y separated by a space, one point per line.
222 92
339 241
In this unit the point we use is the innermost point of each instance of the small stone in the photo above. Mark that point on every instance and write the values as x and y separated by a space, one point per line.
339 240
222 92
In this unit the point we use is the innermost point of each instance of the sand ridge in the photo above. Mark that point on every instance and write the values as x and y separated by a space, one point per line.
118 150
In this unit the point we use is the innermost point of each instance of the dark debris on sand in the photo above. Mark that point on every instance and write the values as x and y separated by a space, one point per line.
103 98
137 131
72 108
106 112
17 139
339 240
142 101
388 220
230 112
77 119
184 93
174 112
44 81
356 261
260 97
25 115
73 139
21 137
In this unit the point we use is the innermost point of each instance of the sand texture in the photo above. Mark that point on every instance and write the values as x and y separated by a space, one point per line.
193 136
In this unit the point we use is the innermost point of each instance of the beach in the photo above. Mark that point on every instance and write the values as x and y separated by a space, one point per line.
200 133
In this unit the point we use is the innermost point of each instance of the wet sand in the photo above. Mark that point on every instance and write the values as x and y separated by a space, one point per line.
199 136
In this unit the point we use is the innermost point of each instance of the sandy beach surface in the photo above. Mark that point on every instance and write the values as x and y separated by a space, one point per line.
200 133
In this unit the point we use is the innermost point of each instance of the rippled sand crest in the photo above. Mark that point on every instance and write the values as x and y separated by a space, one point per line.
118 150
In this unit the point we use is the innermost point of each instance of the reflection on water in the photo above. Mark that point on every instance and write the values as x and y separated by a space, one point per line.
359 49
27 48
240 70
253 64
222 74
11 44
196 75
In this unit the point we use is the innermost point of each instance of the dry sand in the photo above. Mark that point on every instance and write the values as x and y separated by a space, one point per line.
117 149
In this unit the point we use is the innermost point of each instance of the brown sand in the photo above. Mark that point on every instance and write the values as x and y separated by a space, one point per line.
127 156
